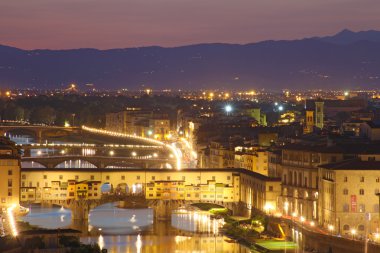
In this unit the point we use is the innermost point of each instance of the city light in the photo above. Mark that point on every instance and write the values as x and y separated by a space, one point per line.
172 149
111 152
134 154
302 219
228 109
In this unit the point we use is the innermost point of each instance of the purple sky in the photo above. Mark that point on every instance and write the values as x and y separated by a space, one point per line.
59 24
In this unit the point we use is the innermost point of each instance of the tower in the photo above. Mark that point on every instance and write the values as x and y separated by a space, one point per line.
319 115
309 122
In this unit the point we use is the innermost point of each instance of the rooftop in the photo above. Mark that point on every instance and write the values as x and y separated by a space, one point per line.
354 164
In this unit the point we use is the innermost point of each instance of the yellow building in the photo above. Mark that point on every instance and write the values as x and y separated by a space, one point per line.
348 195
177 190
160 129
252 158
221 155
10 175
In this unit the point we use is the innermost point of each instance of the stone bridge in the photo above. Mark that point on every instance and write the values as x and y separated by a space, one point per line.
162 209
102 161
40 132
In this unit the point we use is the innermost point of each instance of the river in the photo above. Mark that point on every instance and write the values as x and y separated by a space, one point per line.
134 230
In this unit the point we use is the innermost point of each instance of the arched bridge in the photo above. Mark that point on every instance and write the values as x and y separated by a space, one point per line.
40 132
101 161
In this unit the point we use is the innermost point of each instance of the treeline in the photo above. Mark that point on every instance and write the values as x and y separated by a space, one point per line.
80 110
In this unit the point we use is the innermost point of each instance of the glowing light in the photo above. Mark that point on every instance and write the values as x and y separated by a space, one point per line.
134 154
155 155
112 152
312 224
138 243
302 219
150 132
330 228
346 93
294 214
268 207
67 124
39 152
280 108
353 231
173 150
228 108
101 242
11 220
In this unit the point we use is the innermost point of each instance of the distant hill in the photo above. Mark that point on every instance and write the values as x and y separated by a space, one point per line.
345 60
347 37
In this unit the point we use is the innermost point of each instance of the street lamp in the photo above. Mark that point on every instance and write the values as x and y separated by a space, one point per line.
134 154
331 229
112 153
228 109
353 232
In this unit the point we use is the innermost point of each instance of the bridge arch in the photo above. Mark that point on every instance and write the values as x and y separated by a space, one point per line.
82 162
32 164
20 131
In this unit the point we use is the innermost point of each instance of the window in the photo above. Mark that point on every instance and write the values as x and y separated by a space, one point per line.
377 179
346 208
9 192
228 177
362 208
346 227
183 178
9 182
213 178
345 191
345 179
92 177
9 172
122 177
376 208
377 191
107 177
138 177
270 188
361 191
361 228
45 176
362 179
153 178
76 177
168 178
60 177
23 176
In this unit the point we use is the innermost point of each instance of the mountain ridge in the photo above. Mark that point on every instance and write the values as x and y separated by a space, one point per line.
317 62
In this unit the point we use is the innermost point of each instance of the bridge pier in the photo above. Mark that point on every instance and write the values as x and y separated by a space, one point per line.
80 211
163 209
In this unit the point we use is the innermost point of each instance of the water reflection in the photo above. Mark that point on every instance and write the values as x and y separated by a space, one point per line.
117 221
48 217
133 230
196 221
21 138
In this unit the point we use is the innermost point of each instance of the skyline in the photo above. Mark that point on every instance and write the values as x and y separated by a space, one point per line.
134 23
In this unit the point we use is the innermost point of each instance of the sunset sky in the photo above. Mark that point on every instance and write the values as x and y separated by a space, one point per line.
59 24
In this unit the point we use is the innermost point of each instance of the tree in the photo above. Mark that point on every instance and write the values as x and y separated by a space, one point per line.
43 115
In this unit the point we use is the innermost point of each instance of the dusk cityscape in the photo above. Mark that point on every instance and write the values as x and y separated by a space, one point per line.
189 126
